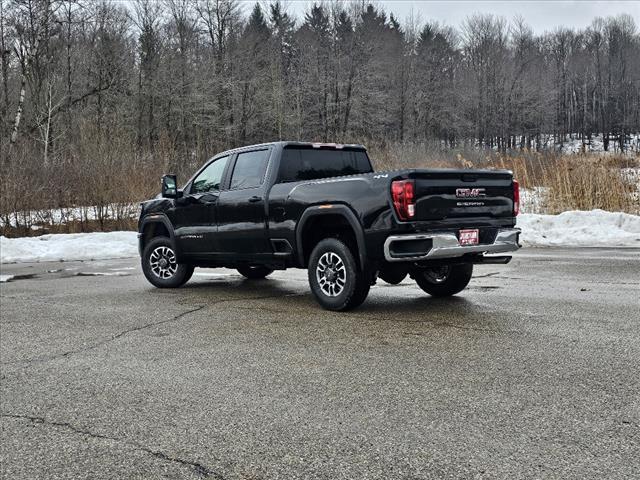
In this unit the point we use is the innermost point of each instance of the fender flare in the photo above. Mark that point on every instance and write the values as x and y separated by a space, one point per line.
333 209
155 218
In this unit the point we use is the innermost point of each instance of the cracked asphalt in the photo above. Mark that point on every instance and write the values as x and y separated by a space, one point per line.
532 372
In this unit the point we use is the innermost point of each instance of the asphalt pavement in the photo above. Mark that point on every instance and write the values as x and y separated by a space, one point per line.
532 372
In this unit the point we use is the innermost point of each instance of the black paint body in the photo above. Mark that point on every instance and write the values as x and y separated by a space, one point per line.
267 225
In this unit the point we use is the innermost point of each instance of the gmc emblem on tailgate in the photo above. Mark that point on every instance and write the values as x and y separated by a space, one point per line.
469 192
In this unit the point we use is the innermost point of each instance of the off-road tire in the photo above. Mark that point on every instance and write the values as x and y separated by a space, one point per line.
355 283
182 272
254 272
455 281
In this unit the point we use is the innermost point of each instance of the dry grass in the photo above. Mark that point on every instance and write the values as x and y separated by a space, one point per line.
569 182
94 187
111 177
577 182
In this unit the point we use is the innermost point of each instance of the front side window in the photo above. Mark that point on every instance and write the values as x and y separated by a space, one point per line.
211 177
249 169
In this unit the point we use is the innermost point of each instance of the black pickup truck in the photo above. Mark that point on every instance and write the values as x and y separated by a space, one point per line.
322 207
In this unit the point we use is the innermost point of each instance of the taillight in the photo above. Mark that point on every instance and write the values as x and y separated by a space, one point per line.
516 198
403 194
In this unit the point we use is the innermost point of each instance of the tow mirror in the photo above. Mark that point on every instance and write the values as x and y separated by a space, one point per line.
170 186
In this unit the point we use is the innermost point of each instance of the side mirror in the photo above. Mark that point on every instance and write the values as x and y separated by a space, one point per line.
170 186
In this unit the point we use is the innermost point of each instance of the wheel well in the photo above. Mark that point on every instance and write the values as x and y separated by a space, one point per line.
319 227
152 230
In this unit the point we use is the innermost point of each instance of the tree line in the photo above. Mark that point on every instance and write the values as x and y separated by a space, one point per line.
194 77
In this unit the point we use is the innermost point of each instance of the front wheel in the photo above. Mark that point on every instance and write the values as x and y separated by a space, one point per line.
444 281
334 277
160 267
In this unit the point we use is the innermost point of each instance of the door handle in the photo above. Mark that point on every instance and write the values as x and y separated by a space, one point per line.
255 199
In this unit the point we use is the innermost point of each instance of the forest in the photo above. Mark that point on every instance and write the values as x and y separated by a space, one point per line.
98 98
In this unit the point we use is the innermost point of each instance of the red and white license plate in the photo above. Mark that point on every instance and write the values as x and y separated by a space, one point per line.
469 237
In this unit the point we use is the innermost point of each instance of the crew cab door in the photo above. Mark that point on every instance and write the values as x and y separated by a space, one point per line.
241 211
195 212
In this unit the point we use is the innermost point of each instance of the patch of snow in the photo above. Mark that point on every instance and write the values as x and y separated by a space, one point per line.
36 219
595 228
213 275
572 144
102 274
5 278
67 247
632 177
532 200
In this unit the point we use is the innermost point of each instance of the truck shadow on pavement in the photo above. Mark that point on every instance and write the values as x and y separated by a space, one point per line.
403 303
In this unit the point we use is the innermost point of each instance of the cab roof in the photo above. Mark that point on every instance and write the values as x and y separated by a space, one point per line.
284 144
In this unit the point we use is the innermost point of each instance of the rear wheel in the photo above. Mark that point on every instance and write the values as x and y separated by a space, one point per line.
254 272
444 281
334 277
160 267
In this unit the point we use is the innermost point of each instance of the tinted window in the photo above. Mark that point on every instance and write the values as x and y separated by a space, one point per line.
249 170
311 163
211 177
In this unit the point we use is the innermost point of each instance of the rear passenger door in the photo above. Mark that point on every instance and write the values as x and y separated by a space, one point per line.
241 210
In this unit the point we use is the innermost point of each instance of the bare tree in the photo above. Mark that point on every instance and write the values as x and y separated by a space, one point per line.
123 87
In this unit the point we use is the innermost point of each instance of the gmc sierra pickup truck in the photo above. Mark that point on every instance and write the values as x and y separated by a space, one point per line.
322 207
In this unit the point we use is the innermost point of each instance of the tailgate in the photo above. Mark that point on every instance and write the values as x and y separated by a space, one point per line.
441 194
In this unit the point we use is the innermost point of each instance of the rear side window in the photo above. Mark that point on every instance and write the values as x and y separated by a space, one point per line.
310 163
250 169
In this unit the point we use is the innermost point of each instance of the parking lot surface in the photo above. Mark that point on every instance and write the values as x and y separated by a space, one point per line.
532 372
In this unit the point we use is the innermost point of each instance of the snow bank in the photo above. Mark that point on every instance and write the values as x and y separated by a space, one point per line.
595 228
75 246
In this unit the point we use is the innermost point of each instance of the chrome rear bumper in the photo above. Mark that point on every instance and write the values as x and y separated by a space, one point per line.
445 245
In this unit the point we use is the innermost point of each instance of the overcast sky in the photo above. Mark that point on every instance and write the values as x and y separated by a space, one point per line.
541 15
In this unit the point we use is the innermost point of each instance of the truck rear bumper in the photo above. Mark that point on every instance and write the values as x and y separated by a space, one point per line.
411 248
